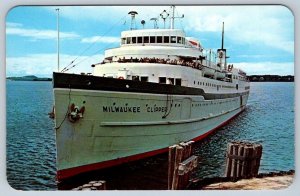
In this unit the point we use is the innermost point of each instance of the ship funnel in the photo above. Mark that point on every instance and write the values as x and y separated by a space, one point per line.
132 13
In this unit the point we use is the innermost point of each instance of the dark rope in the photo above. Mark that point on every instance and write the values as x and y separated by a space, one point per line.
67 113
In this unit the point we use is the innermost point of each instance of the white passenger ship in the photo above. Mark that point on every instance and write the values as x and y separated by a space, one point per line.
157 89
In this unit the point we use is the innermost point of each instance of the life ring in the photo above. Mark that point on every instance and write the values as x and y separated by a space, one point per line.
121 78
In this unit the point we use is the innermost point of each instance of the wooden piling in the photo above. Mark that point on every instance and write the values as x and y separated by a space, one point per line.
229 160
235 149
178 159
258 157
240 162
181 164
171 163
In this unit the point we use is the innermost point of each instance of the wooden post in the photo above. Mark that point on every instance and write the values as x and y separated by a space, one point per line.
188 175
185 176
181 164
178 159
171 163
257 160
235 147
229 160
240 162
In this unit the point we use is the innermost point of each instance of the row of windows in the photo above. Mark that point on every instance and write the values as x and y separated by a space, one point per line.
162 80
152 39
239 77
140 78
212 85
174 81
211 103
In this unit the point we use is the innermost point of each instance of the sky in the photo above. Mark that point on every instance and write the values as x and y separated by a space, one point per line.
259 39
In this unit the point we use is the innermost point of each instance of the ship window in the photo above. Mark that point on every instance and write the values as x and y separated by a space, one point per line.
128 40
179 40
170 80
123 41
166 39
173 39
146 39
183 40
136 78
140 40
159 39
152 39
178 81
133 40
162 80
144 78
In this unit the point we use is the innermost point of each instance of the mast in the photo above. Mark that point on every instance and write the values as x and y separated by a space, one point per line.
172 17
57 9
222 47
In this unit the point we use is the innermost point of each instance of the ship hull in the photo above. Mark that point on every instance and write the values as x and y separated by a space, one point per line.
131 120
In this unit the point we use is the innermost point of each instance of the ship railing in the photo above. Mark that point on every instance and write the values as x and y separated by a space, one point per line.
196 64
193 64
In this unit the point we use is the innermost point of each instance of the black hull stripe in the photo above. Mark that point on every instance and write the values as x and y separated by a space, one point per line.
87 82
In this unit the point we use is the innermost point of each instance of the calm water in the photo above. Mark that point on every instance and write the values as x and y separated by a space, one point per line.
268 119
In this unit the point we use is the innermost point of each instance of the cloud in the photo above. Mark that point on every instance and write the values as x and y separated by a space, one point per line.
101 39
272 26
13 24
272 68
44 64
269 25
40 34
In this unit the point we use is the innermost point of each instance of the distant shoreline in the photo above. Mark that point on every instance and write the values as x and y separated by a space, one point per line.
29 78
270 78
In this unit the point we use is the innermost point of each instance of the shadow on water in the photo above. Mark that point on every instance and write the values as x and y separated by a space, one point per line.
147 174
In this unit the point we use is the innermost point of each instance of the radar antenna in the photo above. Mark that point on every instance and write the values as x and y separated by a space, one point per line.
154 22
132 13
164 15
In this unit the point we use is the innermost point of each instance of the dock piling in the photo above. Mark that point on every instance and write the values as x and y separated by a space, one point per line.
180 165
242 160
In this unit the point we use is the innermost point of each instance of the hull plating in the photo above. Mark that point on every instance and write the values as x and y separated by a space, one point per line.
117 126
